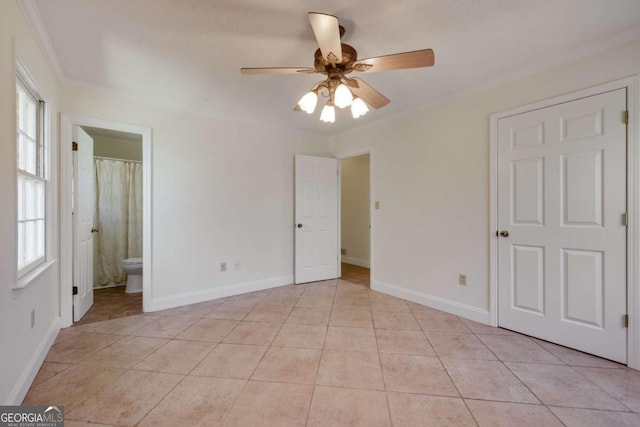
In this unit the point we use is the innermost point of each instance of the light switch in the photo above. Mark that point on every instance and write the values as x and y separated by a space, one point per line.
377 204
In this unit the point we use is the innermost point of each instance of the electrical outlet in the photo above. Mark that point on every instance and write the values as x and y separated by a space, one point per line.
223 266
33 319
343 252
236 265
462 279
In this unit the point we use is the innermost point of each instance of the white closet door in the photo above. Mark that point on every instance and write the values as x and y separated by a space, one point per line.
561 200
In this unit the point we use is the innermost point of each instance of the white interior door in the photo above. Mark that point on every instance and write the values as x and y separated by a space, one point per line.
561 199
83 207
316 217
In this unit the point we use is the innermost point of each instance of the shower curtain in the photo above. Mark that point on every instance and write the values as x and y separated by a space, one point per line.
118 218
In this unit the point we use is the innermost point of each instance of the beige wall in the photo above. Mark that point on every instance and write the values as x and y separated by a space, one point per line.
354 179
431 175
222 191
24 347
117 148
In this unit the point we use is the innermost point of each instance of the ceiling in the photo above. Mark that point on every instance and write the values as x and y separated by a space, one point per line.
113 134
190 51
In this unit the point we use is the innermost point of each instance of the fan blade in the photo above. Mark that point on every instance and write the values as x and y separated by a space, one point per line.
369 94
297 108
352 83
327 32
396 61
278 70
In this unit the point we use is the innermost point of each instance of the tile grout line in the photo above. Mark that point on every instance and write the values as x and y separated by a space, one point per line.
224 419
526 386
124 371
324 341
629 410
183 376
444 368
600 388
384 382
502 362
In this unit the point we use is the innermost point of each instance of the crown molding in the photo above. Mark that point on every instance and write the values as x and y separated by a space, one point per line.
30 12
184 105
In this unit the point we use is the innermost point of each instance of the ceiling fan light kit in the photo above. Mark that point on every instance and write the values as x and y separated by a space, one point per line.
328 114
358 108
342 96
336 60
308 102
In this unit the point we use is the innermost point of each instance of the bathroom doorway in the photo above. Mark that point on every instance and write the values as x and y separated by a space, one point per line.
103 273
355 219
117 224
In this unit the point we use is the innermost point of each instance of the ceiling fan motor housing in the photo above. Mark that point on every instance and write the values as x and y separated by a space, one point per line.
349 57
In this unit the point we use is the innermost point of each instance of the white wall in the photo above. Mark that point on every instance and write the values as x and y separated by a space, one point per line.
23 347
431 175
117 148
222 192
354 203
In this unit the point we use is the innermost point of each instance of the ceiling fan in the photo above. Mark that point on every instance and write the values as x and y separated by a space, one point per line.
336 60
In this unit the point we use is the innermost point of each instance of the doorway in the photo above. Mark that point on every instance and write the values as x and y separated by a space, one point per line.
117 224
123 138
355 219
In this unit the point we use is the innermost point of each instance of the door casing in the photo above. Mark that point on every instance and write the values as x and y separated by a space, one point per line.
633 204
67 122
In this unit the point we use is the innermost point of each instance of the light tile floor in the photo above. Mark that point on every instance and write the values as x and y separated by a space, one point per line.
324 354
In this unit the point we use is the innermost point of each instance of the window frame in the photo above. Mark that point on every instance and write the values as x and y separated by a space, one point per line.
25 83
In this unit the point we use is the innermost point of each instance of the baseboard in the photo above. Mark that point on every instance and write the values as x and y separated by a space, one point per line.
356 261
29 373
172 301
453 307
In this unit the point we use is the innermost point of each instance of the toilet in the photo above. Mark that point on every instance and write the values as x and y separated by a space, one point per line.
133 267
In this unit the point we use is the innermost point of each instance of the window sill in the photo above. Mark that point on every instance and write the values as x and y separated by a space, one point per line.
28 278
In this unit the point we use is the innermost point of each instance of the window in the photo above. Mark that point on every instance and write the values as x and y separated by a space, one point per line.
31 177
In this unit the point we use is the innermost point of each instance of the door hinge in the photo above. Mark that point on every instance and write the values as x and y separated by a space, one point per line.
625 320
74 146
625 219
74 290
625 117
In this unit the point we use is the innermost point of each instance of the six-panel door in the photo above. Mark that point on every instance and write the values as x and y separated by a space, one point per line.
316 216
561 198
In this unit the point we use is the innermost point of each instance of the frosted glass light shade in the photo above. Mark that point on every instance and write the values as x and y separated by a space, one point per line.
358 108
328 114
308 102
342 96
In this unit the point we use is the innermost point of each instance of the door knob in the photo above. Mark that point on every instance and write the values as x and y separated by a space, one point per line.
504 233
299 225
94 230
